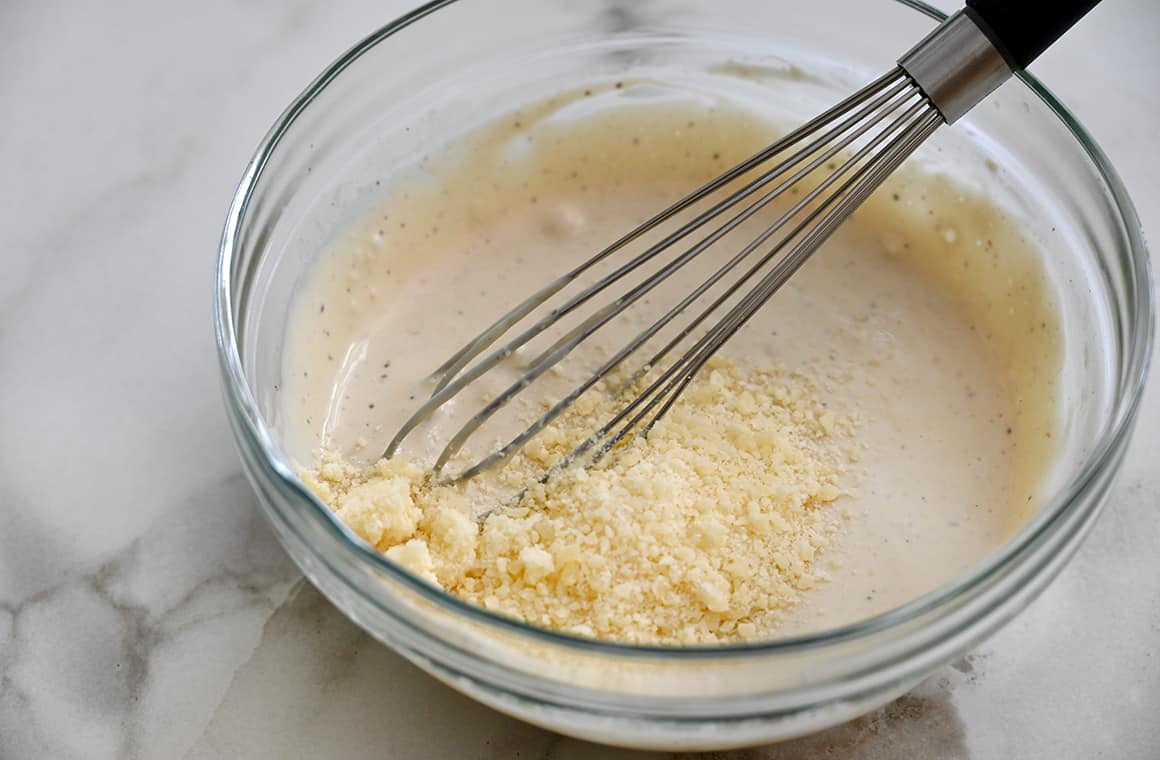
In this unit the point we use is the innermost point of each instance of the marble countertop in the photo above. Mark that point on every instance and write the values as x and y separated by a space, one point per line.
146 611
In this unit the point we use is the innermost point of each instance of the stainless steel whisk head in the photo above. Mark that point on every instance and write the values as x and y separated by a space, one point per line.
830 165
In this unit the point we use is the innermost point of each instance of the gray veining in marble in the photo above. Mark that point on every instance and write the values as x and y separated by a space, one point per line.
146 610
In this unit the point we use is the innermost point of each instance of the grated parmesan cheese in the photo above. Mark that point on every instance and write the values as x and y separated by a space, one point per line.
707 531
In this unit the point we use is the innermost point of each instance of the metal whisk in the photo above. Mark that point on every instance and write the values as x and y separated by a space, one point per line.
859 142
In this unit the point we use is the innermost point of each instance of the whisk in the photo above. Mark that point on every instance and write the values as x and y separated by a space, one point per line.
853 147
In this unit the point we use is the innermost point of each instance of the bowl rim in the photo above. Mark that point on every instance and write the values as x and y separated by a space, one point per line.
241 399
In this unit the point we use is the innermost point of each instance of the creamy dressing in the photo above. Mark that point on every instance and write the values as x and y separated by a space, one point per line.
928 316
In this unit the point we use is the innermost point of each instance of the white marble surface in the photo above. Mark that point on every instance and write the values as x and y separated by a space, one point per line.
145 609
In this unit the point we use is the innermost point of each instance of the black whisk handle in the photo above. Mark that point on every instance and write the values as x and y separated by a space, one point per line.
1022 29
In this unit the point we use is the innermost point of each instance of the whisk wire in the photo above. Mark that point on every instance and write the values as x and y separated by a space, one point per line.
896 152
480 343
448 384
916 122
567 343
641 338
890 117
877 96
676 378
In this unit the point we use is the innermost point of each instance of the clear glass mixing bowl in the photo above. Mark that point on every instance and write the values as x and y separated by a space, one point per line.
448 65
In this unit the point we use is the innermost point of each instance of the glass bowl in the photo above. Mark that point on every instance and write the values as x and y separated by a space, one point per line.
435 72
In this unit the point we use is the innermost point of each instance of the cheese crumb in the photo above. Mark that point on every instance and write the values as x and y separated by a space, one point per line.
707 531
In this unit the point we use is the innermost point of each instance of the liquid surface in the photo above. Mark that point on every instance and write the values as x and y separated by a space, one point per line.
926 316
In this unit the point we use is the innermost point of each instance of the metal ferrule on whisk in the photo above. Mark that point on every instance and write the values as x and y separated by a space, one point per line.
956 65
